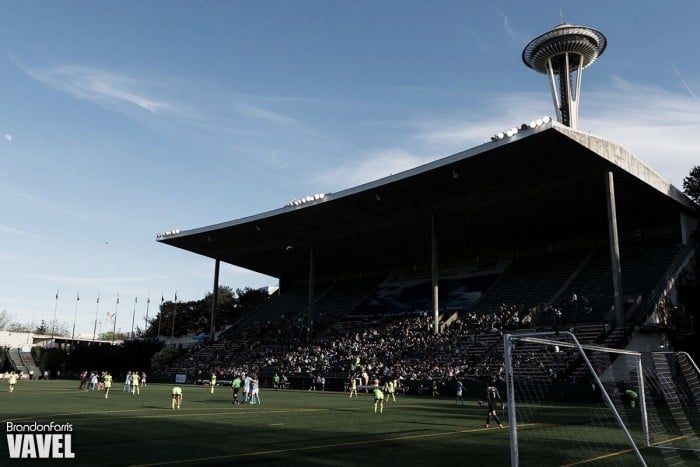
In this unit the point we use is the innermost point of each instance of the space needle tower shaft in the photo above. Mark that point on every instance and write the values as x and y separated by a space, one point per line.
562 54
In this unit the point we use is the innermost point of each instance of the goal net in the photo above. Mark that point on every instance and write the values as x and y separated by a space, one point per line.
578 404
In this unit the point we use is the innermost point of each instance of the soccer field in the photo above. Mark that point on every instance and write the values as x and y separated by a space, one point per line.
288 428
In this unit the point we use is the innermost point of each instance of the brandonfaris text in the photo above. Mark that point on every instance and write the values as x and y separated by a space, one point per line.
40 440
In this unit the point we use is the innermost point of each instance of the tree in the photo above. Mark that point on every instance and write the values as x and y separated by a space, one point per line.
224 297
164 358
5 319
6 323
250 297
43 328
58 328
19 327
691 184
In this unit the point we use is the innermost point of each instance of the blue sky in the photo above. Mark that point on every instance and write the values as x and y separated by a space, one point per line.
120 120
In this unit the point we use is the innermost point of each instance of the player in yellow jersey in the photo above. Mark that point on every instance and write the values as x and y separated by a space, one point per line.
177 398
107 379
353 386
135 380
12 380
212 382
378 399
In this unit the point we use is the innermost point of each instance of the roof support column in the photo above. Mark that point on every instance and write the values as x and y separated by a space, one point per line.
312 276
616 270
434 272
214 298
688 226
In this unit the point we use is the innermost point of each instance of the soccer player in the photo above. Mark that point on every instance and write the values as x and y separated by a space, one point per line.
276 382
12 381
135 383
212 381
389 387
127 382
236 388
353 386
378 399
108 383
177 398
246 388
83 380
365 378
397 385
93 381
632 396
493 396
460 391
254 390
435 388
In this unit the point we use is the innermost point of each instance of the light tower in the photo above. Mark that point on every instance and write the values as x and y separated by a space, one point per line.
562 54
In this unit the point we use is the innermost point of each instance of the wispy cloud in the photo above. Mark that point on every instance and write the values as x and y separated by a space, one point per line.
18 232
506 23
368 167
685 84
100 86
120 91
663 130
506 110
173 105
262 114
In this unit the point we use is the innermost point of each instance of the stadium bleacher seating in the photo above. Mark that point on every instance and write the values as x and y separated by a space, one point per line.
387 323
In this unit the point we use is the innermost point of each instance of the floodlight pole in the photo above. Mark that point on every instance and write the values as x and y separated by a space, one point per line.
114 324
172 330
97 310
55 308
133 317
148 304
75 317
160 314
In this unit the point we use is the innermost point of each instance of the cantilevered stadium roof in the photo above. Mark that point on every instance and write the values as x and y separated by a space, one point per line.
542 183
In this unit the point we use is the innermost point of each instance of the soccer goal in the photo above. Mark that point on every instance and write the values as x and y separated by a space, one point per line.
579 404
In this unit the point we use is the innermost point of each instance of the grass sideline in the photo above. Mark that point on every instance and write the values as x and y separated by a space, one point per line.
289 428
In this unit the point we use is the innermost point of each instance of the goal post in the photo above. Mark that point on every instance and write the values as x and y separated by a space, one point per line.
573 403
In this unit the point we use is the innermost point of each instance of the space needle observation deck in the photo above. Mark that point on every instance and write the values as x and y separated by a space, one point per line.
562 54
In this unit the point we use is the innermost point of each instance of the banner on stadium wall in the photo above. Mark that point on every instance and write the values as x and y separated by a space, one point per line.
180 378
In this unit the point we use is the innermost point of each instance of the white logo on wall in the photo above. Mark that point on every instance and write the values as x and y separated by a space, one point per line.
40 440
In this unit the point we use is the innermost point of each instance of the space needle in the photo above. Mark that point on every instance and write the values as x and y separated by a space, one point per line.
562 54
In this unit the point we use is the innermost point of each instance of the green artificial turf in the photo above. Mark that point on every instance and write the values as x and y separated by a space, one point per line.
290 428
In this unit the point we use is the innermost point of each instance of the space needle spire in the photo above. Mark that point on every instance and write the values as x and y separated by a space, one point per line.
562 54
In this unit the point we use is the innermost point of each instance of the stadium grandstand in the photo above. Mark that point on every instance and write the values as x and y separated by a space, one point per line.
560 227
